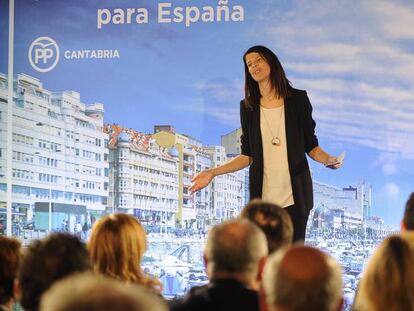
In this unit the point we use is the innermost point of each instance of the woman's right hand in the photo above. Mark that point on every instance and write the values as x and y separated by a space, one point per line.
201 180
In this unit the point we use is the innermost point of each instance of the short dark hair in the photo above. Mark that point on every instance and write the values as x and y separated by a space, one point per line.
9 263
47 261
275 222
278 79
408 220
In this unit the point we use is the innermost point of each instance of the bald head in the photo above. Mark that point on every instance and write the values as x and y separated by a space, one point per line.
304 263
305 270
235 247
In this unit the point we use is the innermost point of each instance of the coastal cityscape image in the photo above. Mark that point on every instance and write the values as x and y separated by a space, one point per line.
70 169
114 106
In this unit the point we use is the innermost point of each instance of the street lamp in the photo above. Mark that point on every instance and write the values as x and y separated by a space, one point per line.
170 140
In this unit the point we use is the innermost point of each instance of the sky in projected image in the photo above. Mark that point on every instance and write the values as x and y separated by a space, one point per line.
355 59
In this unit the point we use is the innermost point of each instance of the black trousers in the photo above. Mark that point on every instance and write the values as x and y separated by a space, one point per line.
299 221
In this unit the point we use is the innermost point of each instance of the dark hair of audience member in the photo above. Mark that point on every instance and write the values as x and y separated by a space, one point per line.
9 263
116 246
388 280
48 260
273 220
408 219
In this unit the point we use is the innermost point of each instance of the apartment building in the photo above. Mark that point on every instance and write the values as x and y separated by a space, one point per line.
59 154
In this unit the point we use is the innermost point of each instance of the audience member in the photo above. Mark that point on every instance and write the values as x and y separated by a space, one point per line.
275 223
9 263
116 246
88 292
388 280
302 278
408 220
46 261
234 255
273 220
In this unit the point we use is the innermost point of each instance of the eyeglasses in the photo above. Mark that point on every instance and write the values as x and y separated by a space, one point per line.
254 62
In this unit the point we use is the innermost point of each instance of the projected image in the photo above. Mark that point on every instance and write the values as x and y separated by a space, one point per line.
118 108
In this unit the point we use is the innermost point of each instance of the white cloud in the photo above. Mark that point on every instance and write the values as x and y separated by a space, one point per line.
387 162
195 105
217 98
392 190
360 82
228 116
397 19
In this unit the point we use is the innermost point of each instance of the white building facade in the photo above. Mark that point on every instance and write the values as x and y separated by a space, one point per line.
353 203
58 150
232 144
202 199
227 191
143 177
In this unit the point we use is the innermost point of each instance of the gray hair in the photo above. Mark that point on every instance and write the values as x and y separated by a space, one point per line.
236 247
321 291
88 292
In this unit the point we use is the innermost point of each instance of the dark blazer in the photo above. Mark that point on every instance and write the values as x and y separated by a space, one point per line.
300 139
219 295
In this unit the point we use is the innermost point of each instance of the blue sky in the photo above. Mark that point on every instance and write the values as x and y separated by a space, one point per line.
355 59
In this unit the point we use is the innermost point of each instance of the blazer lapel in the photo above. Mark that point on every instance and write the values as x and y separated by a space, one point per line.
257 133
289 123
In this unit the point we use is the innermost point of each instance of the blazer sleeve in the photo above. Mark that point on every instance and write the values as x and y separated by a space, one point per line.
245 137
311 141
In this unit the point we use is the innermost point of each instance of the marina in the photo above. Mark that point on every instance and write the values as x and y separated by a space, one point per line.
178 263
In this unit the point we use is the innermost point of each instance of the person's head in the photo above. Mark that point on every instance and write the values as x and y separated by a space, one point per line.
302 278
408 220
88 292
9 264
388 280
273 220
116 246
48 260
235 249
262 65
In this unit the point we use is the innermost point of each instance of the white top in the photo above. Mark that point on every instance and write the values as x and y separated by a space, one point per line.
277 186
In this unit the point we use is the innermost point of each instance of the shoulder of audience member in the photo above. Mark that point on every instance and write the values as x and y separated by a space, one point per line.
196 299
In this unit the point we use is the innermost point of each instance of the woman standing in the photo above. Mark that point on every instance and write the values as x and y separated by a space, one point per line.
278 132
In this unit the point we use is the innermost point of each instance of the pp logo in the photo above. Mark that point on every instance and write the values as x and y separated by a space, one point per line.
43 54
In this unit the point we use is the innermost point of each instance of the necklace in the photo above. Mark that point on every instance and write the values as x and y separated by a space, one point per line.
275 139
270 96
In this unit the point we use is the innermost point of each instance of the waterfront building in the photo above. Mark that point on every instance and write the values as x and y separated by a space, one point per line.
227 191
192 208
202 198
346 206
231 141
143 177
58 155
232 144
